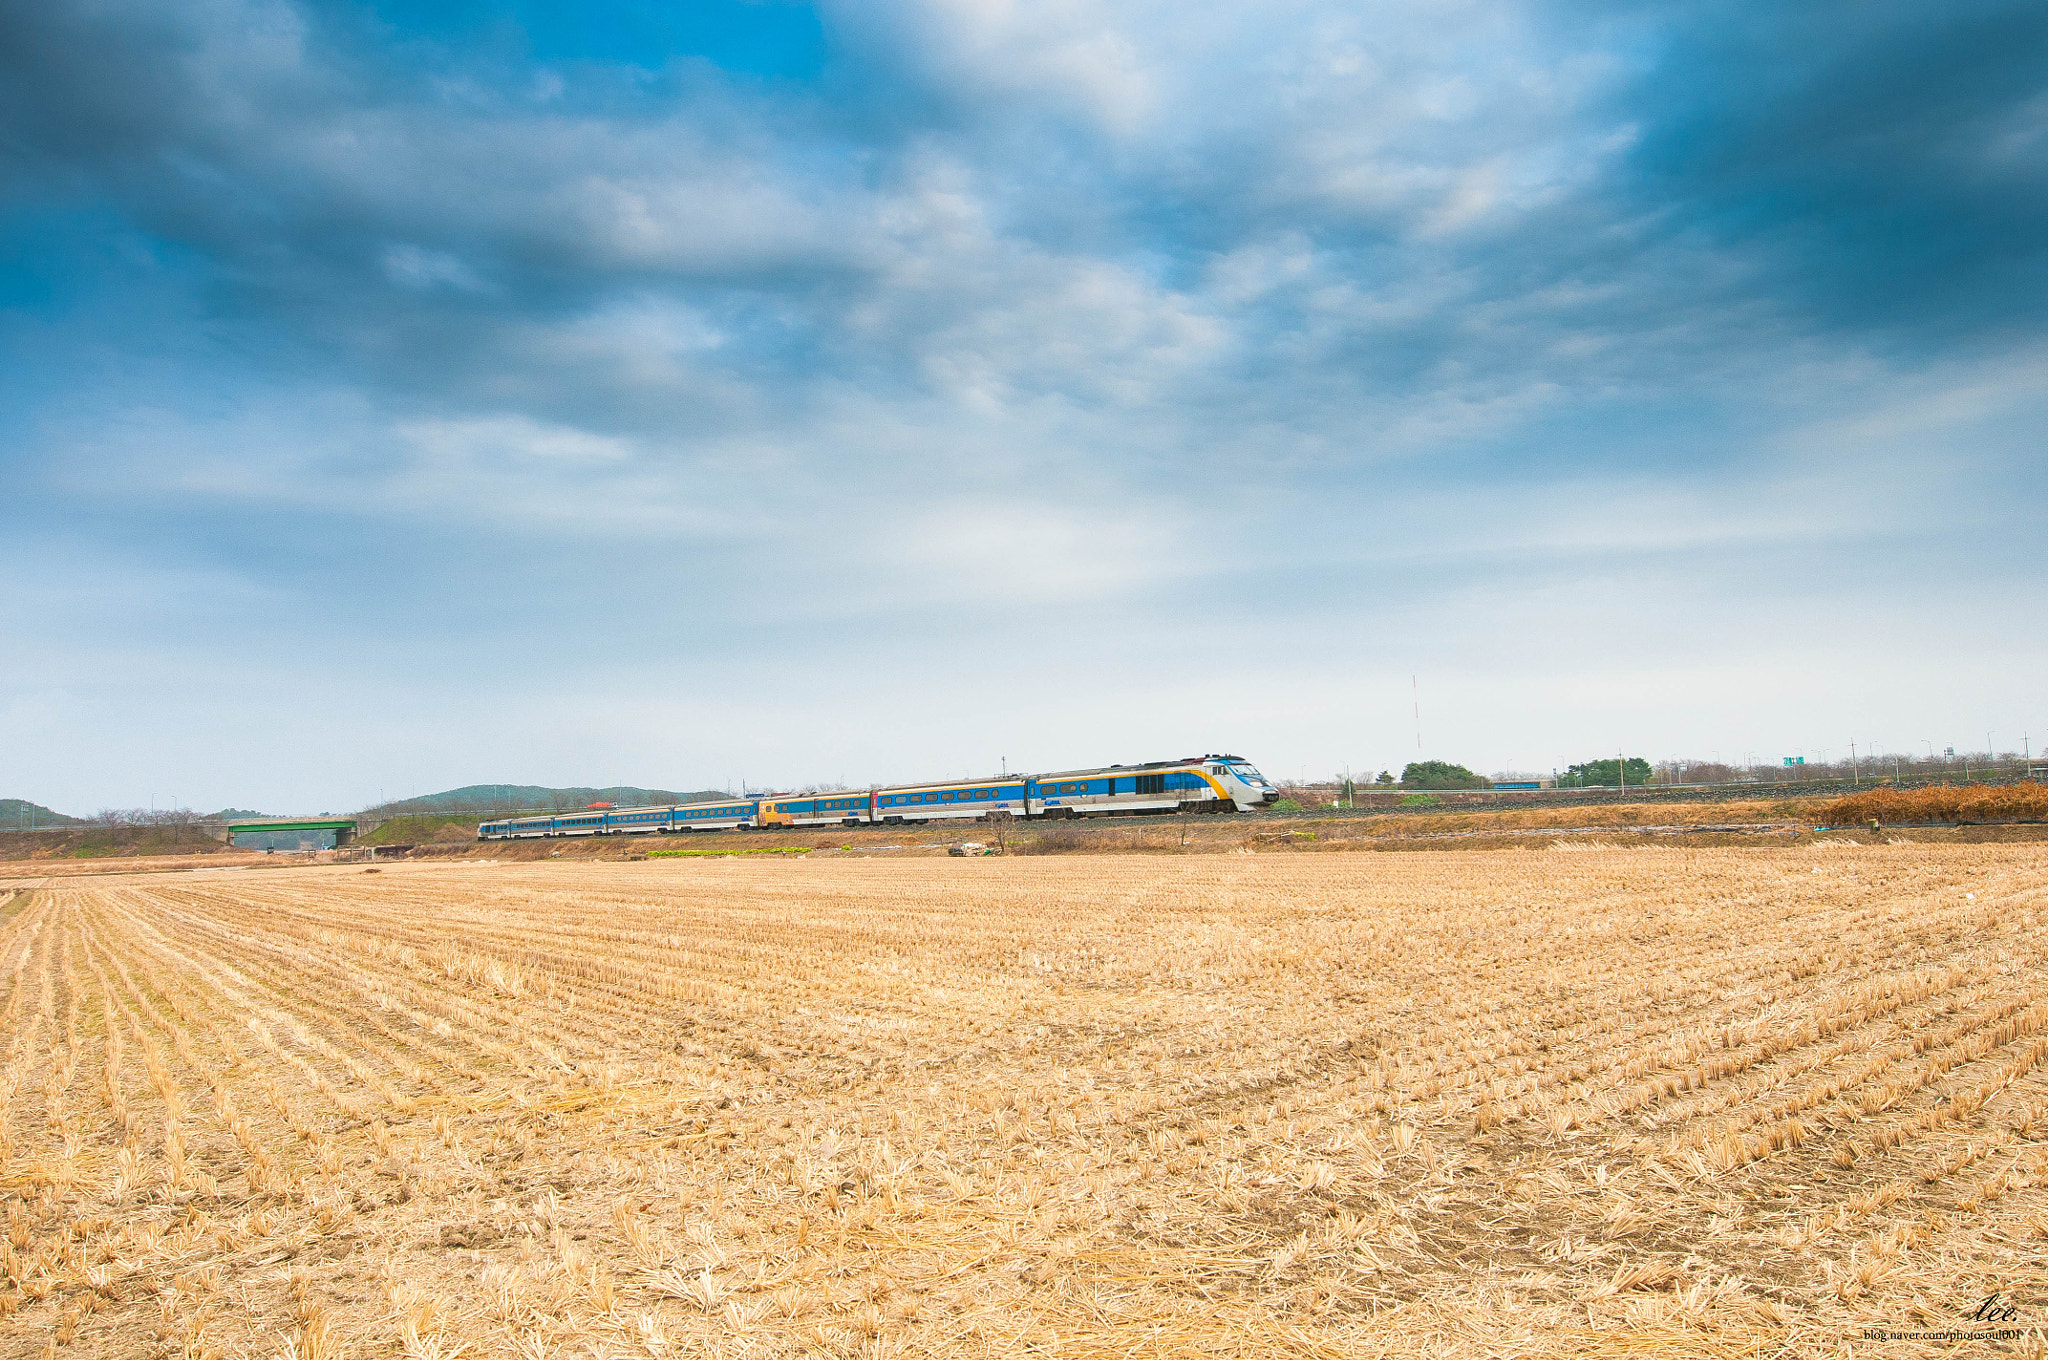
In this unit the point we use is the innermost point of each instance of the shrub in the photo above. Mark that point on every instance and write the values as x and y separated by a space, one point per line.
1441 774
1634 773
1063 840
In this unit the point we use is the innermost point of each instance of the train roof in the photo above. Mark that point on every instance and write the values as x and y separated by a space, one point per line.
1146 765
972 782
619 811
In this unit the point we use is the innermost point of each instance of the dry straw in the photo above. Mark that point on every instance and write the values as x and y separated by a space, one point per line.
1605 1103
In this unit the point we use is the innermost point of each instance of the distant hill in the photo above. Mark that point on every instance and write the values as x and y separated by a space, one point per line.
18 813
530 798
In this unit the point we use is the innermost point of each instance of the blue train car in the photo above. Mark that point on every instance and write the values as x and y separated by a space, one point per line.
720 816
516 828
732 815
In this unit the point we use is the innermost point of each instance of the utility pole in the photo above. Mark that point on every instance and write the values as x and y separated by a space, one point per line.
1621 768
1852 762
1415 692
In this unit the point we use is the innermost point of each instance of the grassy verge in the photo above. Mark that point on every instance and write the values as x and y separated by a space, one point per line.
740 850
429 829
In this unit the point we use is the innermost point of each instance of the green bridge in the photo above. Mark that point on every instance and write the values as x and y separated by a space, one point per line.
344 829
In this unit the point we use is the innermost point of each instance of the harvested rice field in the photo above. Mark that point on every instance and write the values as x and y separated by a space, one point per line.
1596 1102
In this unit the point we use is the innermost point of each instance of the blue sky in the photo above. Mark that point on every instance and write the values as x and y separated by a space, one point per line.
395 397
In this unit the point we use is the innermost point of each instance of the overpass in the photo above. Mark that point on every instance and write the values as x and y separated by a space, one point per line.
344 829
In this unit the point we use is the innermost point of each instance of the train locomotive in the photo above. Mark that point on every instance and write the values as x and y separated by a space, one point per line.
1212 783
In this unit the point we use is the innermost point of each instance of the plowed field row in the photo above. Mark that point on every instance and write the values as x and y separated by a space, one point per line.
1436 1104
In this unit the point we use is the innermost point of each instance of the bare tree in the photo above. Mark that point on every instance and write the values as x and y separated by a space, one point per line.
999 830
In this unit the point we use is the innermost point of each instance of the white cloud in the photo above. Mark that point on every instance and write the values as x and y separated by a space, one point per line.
413 266
513 438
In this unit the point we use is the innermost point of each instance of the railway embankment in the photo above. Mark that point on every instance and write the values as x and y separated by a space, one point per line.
1763 822
1661 822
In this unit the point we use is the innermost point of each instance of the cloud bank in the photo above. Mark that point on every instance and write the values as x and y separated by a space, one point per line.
791 392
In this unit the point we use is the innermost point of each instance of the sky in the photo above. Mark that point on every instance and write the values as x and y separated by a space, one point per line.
398 396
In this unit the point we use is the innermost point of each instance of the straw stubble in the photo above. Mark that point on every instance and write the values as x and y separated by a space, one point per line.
1447 1104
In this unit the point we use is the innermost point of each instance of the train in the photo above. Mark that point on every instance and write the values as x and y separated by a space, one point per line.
1211 783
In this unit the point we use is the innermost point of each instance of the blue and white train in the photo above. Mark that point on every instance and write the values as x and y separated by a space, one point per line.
1199 784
